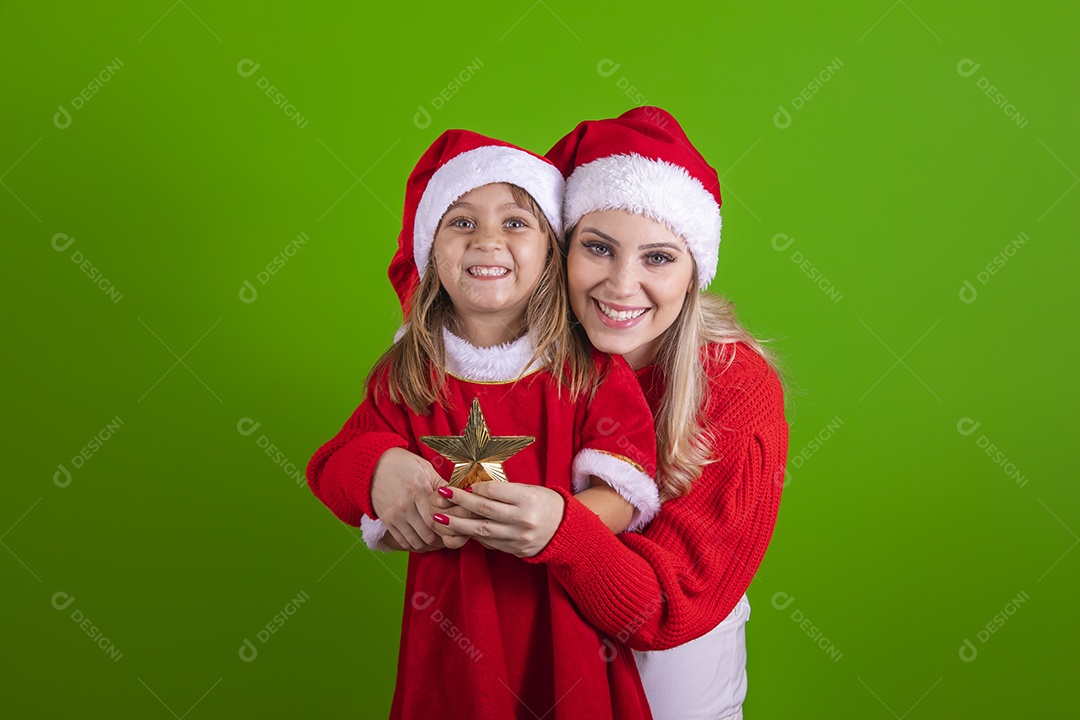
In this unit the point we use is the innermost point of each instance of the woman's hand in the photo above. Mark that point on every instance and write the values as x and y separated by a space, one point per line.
403 493
514 518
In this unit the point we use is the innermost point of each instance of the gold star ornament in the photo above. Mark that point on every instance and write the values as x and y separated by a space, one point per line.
476 455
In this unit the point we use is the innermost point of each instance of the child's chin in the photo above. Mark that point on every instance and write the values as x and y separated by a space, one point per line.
492 305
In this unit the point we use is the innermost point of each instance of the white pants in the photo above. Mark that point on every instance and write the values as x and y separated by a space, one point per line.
704 679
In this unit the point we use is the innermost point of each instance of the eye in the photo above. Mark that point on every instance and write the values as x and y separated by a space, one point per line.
659 258
596 248
461 222
517 223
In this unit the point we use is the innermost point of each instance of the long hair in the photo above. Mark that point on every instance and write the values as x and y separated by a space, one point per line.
414 368
684 445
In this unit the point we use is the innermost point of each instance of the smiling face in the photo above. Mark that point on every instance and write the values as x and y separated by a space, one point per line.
489 252
628 277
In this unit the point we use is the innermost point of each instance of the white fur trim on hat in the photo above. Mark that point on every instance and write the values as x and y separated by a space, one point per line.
657 189
634 486
499 363
478 167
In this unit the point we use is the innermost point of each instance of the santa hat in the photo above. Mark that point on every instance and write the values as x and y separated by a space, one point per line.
457 162
642 162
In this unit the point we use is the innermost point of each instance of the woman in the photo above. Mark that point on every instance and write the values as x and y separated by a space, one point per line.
644 210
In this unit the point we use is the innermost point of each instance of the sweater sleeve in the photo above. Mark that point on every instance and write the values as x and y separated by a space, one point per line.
684 574
340 472
618 441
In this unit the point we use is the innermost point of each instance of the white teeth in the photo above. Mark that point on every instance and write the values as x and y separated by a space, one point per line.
488 271
620 315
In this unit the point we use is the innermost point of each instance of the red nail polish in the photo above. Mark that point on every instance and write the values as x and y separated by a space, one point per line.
468 489
441 519
446 492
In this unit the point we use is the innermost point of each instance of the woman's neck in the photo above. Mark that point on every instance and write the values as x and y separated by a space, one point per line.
642 356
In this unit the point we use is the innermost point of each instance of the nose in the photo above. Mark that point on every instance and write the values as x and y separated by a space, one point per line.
488 239
623 282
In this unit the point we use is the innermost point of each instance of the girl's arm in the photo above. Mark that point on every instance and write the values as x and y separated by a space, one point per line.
612 472
607 504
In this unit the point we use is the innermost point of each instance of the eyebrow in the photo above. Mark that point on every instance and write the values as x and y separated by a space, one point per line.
505 206
616 243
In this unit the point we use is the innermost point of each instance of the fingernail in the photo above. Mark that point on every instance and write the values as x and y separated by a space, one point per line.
468 489
446 492
441 519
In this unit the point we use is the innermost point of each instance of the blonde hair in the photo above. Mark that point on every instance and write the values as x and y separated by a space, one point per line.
414 368
683 444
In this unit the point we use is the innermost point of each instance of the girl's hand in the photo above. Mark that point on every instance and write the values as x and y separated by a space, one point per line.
453 542
514 518
441 503
402 489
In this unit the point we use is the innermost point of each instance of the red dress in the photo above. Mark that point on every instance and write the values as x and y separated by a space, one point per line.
486 634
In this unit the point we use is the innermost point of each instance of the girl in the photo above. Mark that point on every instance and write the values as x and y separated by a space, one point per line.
478 271
643 208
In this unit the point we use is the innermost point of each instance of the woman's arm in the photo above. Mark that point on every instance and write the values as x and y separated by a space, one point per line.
339 473
366 478
686 572
683 574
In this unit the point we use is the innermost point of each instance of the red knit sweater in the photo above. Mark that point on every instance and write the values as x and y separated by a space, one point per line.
683 574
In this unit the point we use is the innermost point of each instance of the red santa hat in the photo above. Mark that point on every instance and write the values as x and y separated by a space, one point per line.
642 162
457 162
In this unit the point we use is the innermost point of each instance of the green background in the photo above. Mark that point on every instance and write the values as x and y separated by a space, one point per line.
897 181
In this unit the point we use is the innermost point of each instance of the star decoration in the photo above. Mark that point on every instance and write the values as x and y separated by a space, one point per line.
476 455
